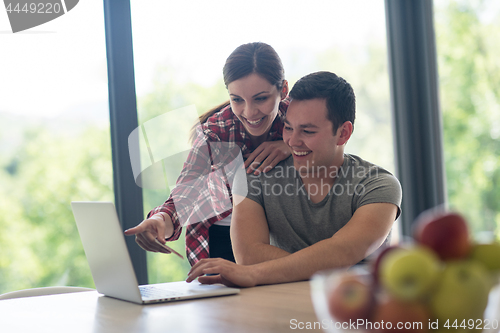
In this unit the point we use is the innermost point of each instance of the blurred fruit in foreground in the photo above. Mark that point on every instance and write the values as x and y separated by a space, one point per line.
351 299
462 292
409 274
444 232
400 316
375 268
487 254
440 278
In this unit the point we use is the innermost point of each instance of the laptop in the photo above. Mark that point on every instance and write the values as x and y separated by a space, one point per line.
104 245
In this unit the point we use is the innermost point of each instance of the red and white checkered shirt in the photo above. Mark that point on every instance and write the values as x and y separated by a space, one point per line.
207 198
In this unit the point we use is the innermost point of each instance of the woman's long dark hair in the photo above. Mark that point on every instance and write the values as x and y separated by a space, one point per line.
246 59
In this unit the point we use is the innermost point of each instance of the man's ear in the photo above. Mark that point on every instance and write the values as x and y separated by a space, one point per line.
345 132
284 89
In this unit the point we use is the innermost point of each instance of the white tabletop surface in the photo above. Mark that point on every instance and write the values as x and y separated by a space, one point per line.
260 309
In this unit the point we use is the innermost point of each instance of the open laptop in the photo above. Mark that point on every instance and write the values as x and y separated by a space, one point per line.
104 244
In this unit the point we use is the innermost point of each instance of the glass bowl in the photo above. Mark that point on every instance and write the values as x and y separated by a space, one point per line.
322 284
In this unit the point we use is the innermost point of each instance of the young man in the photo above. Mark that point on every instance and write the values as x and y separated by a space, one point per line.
318 209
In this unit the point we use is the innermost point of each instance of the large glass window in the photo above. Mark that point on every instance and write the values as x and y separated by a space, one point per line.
469 77
54 145
180 49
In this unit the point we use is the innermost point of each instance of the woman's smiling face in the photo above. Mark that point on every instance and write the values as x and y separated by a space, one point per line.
255 102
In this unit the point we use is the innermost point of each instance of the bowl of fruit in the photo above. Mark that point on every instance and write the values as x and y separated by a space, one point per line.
441 281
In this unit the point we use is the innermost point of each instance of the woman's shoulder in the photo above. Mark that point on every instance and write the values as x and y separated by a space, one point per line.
221 117
221 122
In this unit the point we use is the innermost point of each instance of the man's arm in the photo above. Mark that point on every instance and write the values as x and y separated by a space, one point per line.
362 235
250 234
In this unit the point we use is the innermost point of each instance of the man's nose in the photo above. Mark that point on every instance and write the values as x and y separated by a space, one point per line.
294 139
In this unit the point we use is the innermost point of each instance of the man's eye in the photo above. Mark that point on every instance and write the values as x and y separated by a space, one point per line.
309 132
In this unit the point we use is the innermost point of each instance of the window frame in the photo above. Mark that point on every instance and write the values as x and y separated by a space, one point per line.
123 120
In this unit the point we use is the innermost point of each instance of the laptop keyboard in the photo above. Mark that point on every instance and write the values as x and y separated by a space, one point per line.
155 292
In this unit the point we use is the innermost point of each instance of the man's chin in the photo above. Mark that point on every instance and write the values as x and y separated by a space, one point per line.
302 167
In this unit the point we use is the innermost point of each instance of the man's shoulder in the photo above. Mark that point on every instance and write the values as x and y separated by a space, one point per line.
358 167
283 172
283 169
374 184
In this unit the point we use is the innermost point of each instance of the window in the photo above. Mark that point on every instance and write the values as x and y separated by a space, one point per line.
180 49
54 146
469 77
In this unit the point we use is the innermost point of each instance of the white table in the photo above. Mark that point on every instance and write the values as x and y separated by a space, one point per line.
275 308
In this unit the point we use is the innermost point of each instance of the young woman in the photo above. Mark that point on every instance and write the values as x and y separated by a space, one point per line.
250 121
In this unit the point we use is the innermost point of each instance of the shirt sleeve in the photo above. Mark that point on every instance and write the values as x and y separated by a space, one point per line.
202 191
195 169
380 187
252 189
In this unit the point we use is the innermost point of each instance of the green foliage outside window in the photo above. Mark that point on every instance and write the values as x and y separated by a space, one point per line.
469 71
40 176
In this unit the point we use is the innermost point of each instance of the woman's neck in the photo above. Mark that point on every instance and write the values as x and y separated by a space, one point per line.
257 140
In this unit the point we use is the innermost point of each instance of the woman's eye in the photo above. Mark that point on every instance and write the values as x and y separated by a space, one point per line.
287 128
236 100
261 98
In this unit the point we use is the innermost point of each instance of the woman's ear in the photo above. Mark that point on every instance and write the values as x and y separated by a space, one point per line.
345 132
284 89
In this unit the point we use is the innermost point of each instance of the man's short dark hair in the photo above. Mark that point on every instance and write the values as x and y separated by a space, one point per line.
338 93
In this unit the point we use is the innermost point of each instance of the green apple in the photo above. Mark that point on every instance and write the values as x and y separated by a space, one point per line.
487 254
462 292
409 274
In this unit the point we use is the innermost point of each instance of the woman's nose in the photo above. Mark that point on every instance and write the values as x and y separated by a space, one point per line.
251 111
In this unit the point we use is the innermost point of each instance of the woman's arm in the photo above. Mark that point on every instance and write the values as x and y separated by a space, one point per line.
266 156
165 222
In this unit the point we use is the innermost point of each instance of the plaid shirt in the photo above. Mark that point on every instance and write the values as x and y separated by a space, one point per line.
222 128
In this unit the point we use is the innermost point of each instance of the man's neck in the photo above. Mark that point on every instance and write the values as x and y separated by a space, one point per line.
319 180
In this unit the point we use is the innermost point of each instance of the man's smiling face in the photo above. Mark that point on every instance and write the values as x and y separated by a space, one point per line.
309 134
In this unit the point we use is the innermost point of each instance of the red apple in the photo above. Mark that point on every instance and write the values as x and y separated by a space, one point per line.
393 315
444 232
351 299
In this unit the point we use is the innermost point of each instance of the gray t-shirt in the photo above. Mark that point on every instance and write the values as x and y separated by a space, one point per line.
295 222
